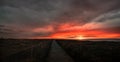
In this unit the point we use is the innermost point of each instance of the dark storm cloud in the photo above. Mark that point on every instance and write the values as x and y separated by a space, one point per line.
10 32
31 14
36 12
6 32
44 12
83 11
110 19
1 2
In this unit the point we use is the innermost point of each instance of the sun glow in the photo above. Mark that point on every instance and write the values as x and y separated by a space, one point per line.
80 37
71 31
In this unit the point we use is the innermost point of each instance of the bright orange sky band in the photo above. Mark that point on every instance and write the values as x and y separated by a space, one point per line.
89 31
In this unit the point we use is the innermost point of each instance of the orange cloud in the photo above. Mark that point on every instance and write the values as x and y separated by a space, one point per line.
85 34
43 29
73 30
87 31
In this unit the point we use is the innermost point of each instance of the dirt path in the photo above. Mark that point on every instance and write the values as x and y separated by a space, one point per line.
57 54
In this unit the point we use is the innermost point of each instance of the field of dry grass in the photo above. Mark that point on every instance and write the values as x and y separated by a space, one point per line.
13 50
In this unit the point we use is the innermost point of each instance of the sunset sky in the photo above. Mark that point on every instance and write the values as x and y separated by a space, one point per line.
88 19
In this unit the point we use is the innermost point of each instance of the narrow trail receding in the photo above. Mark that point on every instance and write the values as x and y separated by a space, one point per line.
57 54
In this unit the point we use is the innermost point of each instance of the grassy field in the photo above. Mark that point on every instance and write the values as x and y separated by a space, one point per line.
13 50
24 50
89 51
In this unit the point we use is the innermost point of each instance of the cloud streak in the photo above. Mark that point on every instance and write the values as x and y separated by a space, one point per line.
42 18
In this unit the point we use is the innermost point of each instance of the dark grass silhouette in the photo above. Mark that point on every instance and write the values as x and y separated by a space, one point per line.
89 51
39 50
24 50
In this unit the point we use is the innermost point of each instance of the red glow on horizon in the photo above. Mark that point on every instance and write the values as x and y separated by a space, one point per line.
85 35
71 31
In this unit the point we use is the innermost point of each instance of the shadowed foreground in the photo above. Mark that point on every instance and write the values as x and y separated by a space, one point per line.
57 54
49 50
